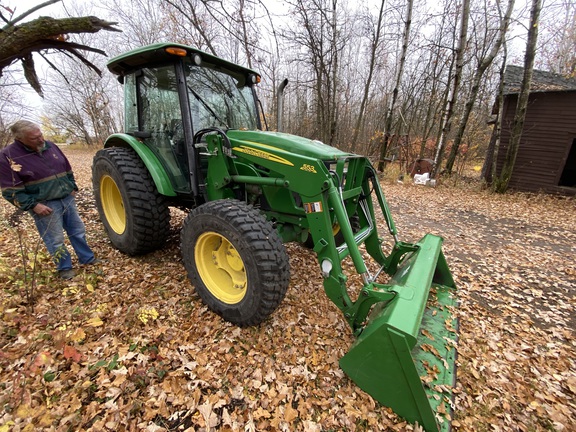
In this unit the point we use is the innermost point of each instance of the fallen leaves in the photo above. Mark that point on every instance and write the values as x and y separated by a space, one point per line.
71 353
146 314
94 322
131 346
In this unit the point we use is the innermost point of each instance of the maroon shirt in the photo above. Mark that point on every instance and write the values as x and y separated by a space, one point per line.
28 177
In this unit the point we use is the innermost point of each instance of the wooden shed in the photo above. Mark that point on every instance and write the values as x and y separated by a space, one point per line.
546 160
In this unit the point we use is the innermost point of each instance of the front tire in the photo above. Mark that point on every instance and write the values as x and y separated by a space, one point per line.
135 216
236 261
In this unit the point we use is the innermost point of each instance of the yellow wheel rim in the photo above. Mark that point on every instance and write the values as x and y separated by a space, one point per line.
112 204
221 268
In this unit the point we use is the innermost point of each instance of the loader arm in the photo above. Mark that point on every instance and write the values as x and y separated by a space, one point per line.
405 351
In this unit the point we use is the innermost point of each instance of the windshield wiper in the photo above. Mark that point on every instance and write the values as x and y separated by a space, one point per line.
203 102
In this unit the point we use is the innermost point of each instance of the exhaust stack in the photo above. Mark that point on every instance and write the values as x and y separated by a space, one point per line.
280 104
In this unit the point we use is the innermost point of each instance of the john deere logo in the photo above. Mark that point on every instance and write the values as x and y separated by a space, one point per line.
263 155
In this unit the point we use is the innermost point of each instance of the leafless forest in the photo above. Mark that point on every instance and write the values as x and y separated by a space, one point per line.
385 78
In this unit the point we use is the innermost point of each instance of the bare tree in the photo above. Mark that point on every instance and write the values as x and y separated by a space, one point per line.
483 65
449 111
200 30
143 22
489 167
85 106
500 184
225 28
428 74
345 73
318 40
12 106
399 73
557 39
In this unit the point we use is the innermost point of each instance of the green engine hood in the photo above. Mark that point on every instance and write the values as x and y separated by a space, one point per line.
292 144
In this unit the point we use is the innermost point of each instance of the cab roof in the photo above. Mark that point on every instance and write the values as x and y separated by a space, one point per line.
149 55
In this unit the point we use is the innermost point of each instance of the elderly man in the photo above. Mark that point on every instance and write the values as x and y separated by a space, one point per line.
37 177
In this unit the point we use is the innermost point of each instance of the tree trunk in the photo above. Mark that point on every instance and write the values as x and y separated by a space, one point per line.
333 103
390 114
436 97
373 50
501 183
489 167
245 34
484 64
447 124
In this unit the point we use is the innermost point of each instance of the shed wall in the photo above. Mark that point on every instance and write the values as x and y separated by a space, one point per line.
549 131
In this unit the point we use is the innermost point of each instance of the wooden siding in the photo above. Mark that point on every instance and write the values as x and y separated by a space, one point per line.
549 131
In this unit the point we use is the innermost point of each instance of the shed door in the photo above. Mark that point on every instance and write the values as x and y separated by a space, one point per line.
568 177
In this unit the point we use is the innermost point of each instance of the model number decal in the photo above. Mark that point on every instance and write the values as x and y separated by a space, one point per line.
308 168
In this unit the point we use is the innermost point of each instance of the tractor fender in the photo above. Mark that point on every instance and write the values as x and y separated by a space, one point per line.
153 165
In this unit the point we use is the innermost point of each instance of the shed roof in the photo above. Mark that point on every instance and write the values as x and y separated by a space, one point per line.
542 81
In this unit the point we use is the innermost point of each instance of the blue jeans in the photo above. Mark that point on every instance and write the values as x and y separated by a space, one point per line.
64 216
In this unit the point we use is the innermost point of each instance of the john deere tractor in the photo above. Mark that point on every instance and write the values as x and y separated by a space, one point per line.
194 140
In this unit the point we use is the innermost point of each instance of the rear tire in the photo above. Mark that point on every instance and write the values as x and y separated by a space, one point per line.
236 261
135 216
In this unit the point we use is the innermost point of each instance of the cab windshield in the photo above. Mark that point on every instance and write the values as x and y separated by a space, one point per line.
218 99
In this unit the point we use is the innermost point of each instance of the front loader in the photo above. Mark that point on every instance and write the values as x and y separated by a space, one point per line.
193 139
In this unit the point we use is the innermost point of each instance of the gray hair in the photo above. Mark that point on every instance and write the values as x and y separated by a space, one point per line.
19 128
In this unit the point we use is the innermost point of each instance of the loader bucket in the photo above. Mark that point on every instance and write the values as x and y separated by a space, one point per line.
405 356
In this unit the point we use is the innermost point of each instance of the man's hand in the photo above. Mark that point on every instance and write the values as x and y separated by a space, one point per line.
42 210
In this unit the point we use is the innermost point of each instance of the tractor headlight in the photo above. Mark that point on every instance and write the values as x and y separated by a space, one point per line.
333 165
326 268
254 78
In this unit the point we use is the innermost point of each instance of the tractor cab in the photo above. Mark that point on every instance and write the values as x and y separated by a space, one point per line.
172 92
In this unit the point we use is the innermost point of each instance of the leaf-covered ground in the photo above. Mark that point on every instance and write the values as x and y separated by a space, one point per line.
128 345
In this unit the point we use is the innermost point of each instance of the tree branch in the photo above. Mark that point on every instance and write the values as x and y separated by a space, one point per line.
12 22
45 33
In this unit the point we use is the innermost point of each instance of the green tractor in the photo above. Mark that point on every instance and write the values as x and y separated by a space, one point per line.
193 139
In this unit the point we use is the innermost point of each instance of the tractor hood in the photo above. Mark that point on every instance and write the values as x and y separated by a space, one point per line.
284 142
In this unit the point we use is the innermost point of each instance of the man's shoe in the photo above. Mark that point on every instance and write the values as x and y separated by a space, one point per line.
95 261
67 274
